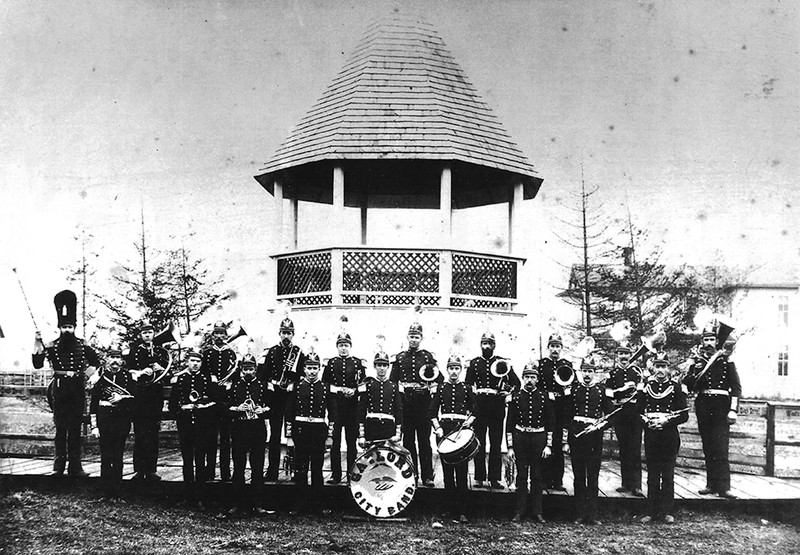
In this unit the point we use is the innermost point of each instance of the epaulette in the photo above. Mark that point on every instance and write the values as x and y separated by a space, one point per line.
50 344
398 355
363 362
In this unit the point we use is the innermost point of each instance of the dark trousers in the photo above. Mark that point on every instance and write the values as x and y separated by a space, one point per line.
491 412
194 435
528 447
276 413
222 441
661 450
417 430
712 422
553 466
455 476
309 443
347 420
145 444
628 429
114 428
376 429
586 454
68 440
248 438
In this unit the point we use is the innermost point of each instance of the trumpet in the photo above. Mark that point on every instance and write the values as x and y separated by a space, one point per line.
289 365
657 421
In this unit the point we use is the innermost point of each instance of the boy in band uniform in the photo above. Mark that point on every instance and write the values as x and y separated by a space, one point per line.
380 405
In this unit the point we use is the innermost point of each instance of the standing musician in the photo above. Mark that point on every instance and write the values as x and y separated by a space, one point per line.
587 405
192 401
529 436
310 417
380 405
622 387
146 363
343 374
557 378
454 407
110 410
663 407
72 360
713 377
416 373
492 393
281 367
219 359
248 399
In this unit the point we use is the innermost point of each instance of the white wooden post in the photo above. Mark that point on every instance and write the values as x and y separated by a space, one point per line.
445 277
446 204
279 215
514 204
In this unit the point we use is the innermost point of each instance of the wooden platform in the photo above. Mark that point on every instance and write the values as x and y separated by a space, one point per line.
748 488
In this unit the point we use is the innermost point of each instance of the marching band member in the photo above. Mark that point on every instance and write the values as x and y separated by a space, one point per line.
343 374
310 414
454 407
248 402
663 407
192 400
622 387
280 367
491 395
380 405
529 436
110 412
72 360
146 362
559 390
587 405
220 360
713 377
417 376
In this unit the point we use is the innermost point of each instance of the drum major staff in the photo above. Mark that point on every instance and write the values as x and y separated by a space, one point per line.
72 360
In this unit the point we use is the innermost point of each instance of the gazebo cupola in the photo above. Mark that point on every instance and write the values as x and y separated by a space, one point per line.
399 127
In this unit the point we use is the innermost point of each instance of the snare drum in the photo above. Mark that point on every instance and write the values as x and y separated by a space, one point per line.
458 446
383 479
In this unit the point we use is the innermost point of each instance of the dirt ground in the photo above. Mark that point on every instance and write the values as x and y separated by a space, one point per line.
61 522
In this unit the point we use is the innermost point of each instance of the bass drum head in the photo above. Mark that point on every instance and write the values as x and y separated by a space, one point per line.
383 480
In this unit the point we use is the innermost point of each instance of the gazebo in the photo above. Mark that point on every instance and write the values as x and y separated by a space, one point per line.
400 127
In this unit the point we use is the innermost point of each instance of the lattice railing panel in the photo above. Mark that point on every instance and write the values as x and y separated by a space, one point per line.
481 303
484 277
400 272
392 300
311 300
307 273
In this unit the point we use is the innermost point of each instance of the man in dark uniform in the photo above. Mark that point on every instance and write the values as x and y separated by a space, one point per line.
192 401
453 407
147 362
281 367
492 392
343 374
663 407
380 405
588 403
417 376
110 410
713 377
220 360
622 387
557 378
529 436
72 360
310 414
249 402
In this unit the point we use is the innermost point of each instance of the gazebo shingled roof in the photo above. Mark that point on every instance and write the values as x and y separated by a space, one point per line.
402 96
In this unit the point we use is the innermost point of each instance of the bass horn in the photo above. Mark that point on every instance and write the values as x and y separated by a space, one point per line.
429 373
236 335
650 344
500 368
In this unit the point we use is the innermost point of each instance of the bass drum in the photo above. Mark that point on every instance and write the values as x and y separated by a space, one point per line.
383 479
458 447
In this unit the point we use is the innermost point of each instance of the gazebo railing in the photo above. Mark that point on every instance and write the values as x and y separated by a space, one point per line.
398 277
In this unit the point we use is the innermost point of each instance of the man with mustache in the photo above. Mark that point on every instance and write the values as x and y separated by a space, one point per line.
72 360
220 360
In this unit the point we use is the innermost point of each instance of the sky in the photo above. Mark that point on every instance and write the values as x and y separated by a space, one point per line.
684 113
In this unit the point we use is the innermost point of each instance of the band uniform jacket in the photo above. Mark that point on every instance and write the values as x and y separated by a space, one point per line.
218 361
547 369
149 396
380 397
587 403
453 399
485 384
664 398
271 369
205 387
243 389
347 372
405 370
619 377
311 400
102 393
531 410
722 375
68 393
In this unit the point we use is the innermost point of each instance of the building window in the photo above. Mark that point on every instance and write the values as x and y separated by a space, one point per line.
783 361
783 312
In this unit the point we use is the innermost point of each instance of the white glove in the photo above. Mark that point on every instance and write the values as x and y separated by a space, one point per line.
95 433
362 443
732 416
547 452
